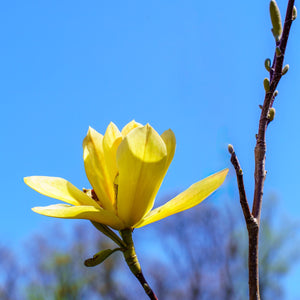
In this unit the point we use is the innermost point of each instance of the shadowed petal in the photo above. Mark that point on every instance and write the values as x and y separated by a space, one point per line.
187 199
141 160
60 189
80 212
130 126
169 138
111 141
96 168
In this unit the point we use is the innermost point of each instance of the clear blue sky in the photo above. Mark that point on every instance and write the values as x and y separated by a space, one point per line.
193 66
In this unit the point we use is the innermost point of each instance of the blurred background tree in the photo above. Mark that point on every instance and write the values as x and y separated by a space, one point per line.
10 274
198 254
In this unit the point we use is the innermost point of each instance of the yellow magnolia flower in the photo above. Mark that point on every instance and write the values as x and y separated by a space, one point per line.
125 170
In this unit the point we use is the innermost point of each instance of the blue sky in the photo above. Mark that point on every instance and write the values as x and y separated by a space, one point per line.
196 67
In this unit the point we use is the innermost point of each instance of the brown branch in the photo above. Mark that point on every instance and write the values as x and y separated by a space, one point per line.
260 148
146 286
253 219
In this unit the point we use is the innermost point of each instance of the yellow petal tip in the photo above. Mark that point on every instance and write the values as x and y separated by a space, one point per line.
90 130
129 127
225 171
29 179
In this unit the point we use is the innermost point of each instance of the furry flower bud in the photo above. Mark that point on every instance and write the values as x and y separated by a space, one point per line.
276 20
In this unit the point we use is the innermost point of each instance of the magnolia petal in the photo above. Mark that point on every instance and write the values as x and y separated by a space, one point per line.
141 161
169 138
96 168
81 212
130 126
111 141
187 199
60 189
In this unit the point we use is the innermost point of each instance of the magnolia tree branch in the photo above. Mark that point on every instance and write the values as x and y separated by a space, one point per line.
267 114
260 148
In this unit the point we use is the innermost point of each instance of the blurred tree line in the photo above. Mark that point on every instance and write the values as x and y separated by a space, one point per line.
198 254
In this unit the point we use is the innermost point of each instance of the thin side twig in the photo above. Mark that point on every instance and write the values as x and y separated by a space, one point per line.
240 181
251 223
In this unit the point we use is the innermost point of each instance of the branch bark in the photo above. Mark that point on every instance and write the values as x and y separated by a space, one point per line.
260 148
253 218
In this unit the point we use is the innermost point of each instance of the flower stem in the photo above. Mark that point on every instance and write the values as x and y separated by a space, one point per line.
109 233
133 263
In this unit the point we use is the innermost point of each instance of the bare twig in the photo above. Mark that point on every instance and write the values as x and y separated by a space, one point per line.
253 218
251 223
240 181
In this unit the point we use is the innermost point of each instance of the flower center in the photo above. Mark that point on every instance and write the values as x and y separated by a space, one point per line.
91 193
